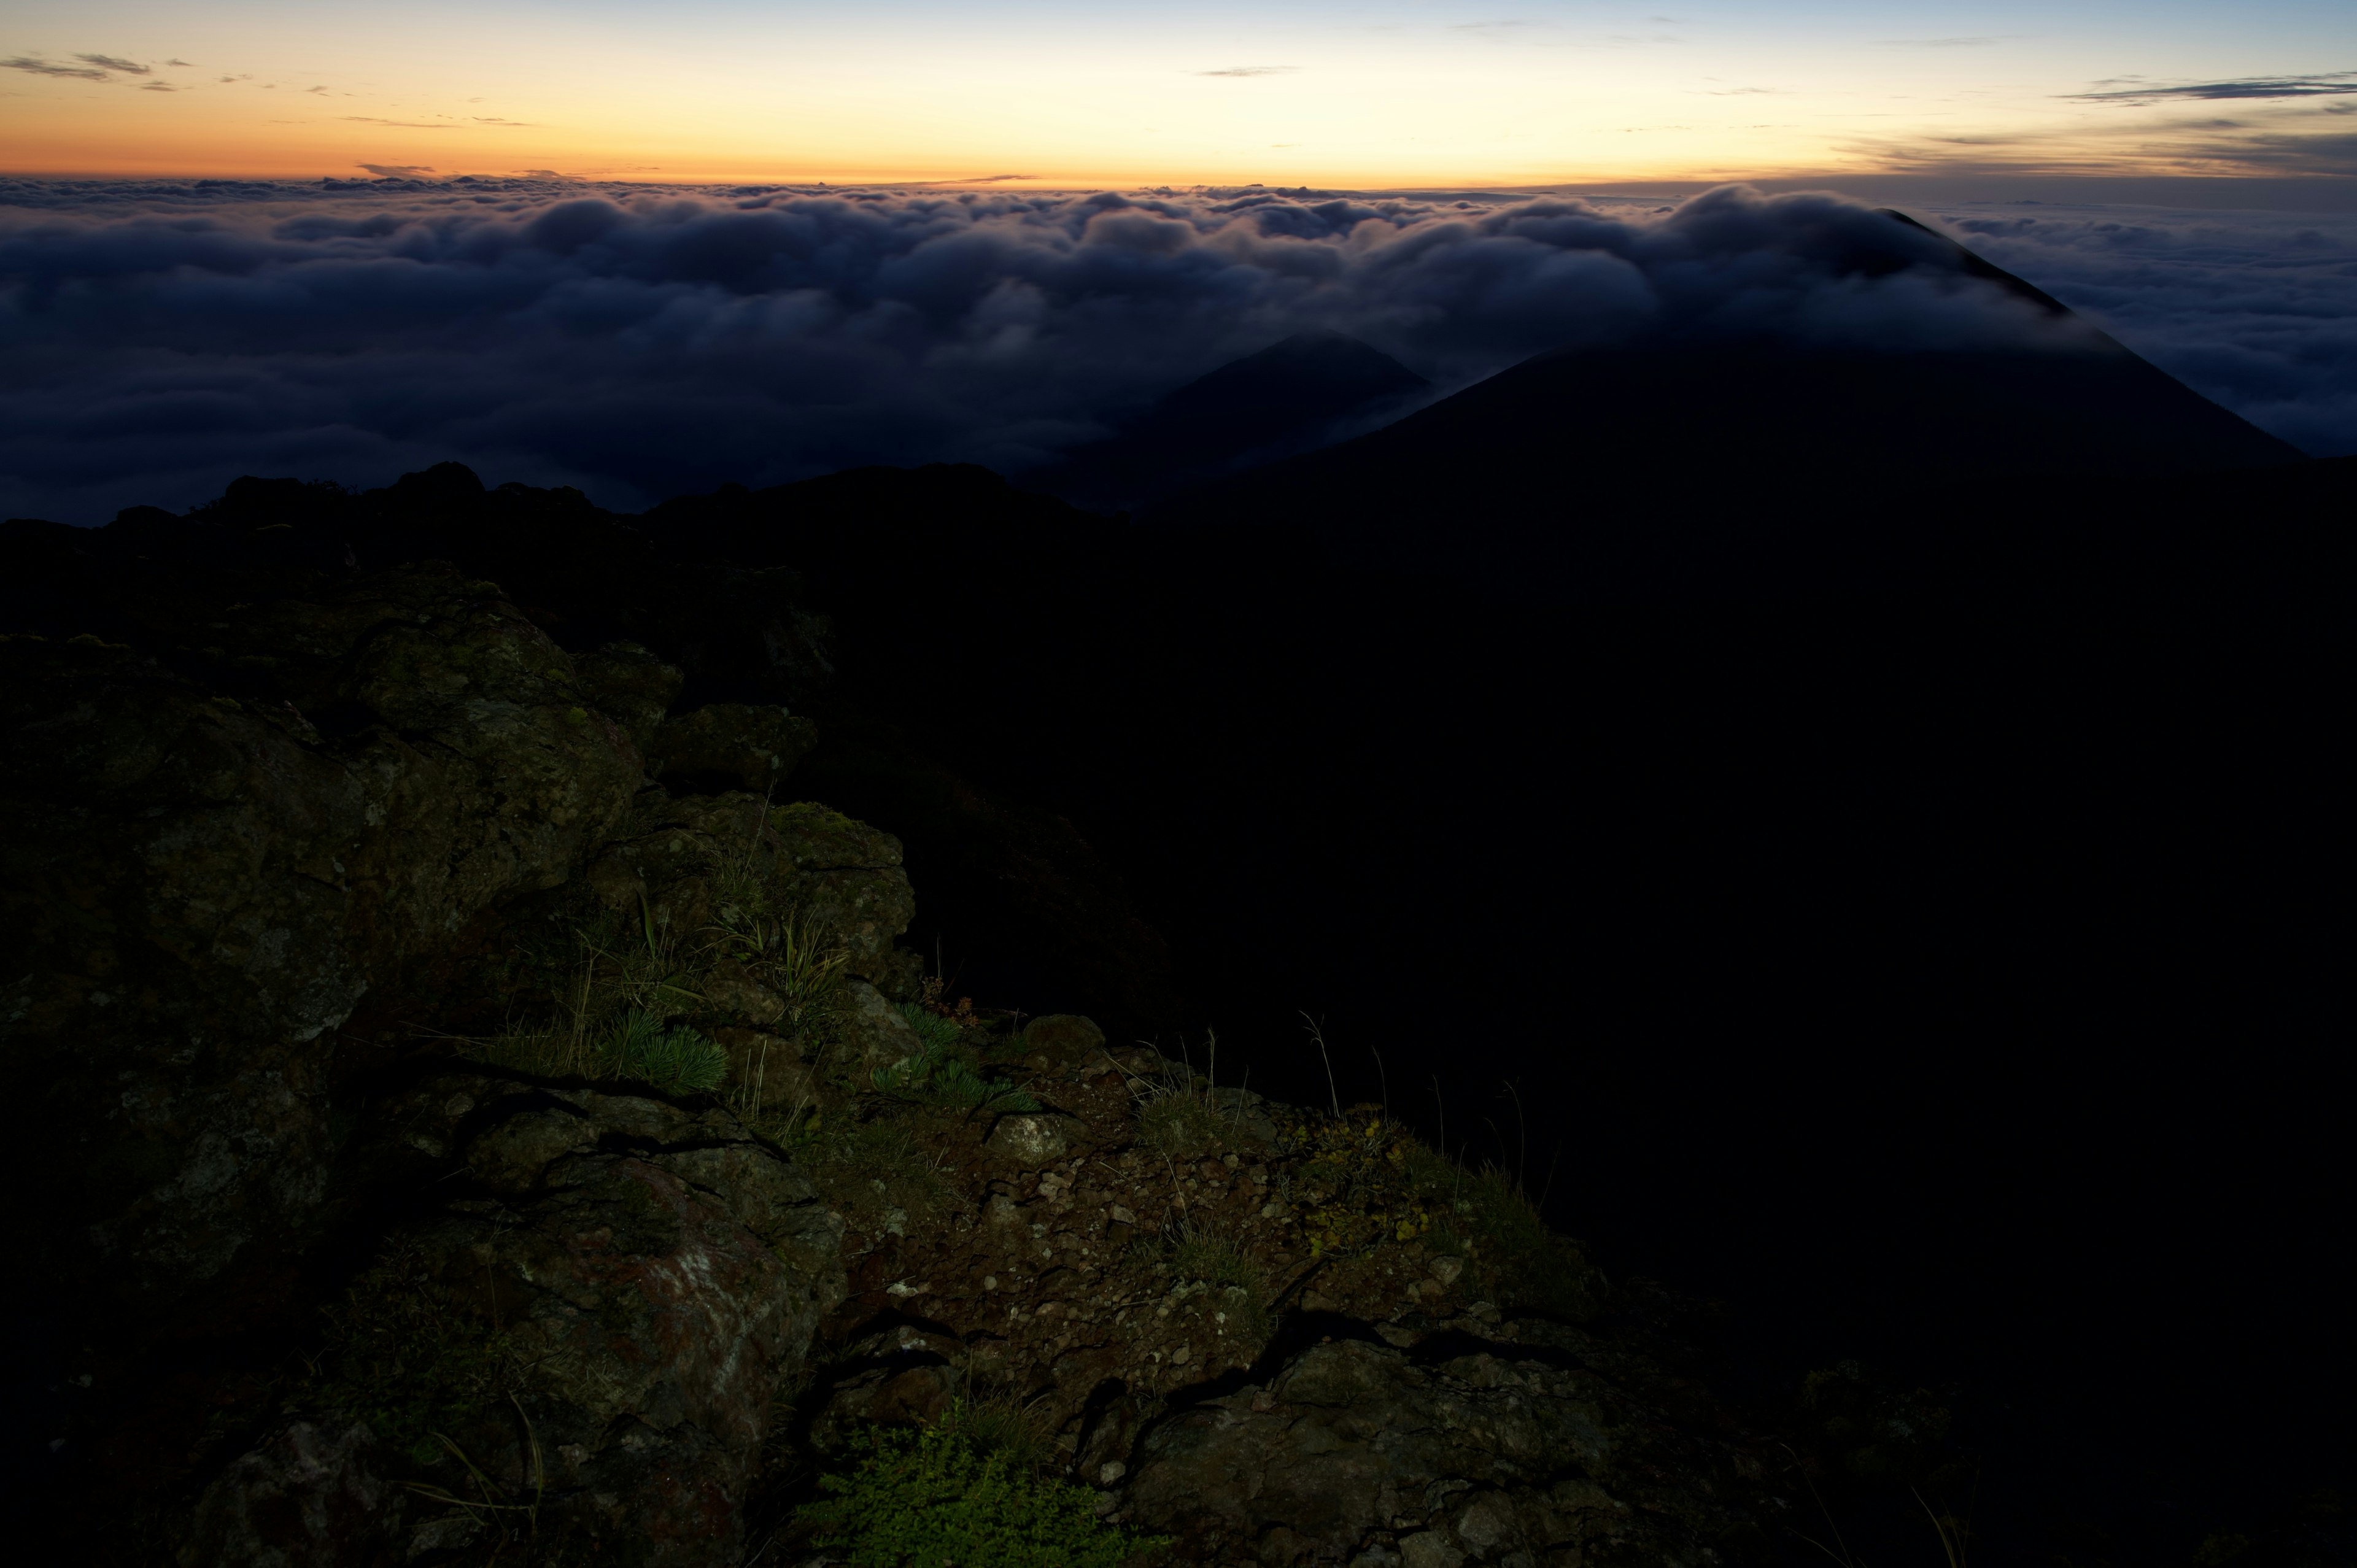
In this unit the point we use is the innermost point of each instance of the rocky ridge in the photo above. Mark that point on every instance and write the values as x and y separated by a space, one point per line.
370 1242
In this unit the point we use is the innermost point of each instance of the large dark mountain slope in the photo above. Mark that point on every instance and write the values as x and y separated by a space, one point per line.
1688 460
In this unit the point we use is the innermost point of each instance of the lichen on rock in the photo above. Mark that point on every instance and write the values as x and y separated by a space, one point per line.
204 886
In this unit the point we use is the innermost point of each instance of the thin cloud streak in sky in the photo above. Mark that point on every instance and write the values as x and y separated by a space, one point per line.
37 67
2327 84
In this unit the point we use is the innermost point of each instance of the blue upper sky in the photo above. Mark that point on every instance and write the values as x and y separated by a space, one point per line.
1283 91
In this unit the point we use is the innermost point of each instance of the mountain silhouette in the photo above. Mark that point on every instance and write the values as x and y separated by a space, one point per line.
1296 394
1667 460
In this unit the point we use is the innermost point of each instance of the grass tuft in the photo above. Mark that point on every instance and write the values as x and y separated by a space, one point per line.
1200 1255
869 1170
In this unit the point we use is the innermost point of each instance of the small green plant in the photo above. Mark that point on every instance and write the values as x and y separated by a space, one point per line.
790 956
947 1072
675 1060
1179 1113
1180 1123
1203 1254
868 1169
936 1496
1002 1424
1200 1253
404 1357
938 1034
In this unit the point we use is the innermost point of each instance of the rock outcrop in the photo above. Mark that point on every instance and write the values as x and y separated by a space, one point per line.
1501 1445
281 845
205 877
631 1280
848 878
466 1125
731 746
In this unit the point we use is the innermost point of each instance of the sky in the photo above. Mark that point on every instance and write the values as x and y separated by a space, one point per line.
1059 92
646 249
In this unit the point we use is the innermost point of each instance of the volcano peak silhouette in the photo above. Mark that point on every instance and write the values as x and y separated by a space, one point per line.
1298 393
1728 449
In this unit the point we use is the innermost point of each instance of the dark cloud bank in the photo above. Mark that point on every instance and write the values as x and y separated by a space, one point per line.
159 339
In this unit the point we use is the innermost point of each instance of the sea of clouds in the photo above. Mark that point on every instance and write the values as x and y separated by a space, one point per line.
157 340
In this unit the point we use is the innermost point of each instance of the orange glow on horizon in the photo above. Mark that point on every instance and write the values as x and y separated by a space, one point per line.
727 91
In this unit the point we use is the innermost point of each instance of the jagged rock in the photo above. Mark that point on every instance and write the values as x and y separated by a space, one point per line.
664 862
630 686
201 886
732 745
888 1395
1248 1114
848 879
310 1493
873 1034
656 1275
840 878
728 989
1500 1454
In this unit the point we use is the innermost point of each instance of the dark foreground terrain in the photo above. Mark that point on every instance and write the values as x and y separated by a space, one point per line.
451 1141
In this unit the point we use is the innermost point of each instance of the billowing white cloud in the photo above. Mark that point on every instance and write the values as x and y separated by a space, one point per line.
2255 310
157 340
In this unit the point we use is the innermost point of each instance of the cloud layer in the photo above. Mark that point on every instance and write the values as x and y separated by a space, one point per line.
159 339
2255 310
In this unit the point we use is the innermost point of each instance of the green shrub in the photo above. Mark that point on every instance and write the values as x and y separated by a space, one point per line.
933 1497
1002 1424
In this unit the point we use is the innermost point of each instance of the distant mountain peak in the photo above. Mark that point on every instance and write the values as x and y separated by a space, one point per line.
1316 373
1300 392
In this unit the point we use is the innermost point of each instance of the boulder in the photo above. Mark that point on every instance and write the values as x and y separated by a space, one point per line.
1065 1038
841 877
1505 1454
847 877
636 1281
630 686
310 1493
730 746
201 885
872 1034
1033 1139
